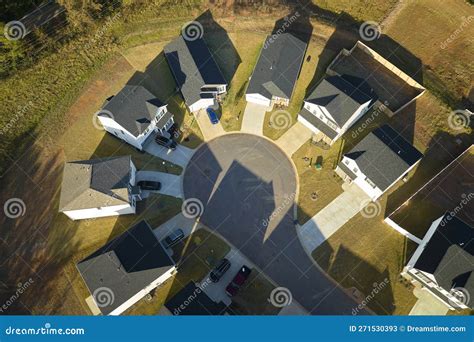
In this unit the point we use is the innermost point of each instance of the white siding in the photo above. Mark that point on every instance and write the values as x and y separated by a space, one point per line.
100 212
308 124
201 104
258 99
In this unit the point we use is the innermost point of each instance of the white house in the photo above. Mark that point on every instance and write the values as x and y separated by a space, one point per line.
98 188
274 76
196 73
126 269
378 161
334 106
443 263
134 114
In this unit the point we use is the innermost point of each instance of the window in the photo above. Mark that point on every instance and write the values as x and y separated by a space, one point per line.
372 184
355 170
346 161
122 132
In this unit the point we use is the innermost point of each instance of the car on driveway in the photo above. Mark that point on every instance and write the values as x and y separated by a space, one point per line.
212 116
239 280
173 238
218 271
149 185
166 142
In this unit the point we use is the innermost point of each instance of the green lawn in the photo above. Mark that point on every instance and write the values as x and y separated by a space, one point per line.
363 10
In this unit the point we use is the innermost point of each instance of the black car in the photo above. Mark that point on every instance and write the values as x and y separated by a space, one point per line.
166 142
173 238
239 280
149 185
218 271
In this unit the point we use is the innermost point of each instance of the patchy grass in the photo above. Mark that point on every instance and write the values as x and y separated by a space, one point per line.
325 183
448 63
248 45
364 254
374 10
195 256
252 298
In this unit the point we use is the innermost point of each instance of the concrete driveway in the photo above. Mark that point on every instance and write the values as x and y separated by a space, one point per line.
180 156
292 140
254 116
332 217
170 184
246 184
216 291
179 221
209 131
427 304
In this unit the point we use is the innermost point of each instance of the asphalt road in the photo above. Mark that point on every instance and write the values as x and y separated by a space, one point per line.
247 186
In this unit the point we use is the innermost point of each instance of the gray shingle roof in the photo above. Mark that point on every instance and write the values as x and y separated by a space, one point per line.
340 97
278 66
95 183
312 119
383 156
133 108
193 67
125 265
449 255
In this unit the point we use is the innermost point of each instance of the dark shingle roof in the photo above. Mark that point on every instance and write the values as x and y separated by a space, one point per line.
95 183
192 300
278 66
193 66
384 155
312 119
340 97
449 255
125 265
133 108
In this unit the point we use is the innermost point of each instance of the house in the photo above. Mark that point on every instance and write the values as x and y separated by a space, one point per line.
378 161
134 114
196 73
443 263
126 269
334 106
277 69
98 188
193 301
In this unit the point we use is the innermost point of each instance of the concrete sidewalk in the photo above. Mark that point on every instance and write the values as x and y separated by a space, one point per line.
332 217
254 116
292 140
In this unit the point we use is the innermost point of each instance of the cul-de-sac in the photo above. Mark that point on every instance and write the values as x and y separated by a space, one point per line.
237 157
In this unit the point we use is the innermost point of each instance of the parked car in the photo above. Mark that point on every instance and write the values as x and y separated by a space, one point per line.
218 271
173 238
239 279
166 142
149 185
212 116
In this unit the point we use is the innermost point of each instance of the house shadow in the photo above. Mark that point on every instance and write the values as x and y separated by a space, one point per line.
36 241
295 23
442 149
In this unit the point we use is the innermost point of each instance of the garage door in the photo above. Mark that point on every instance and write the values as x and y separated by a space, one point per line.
258 99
